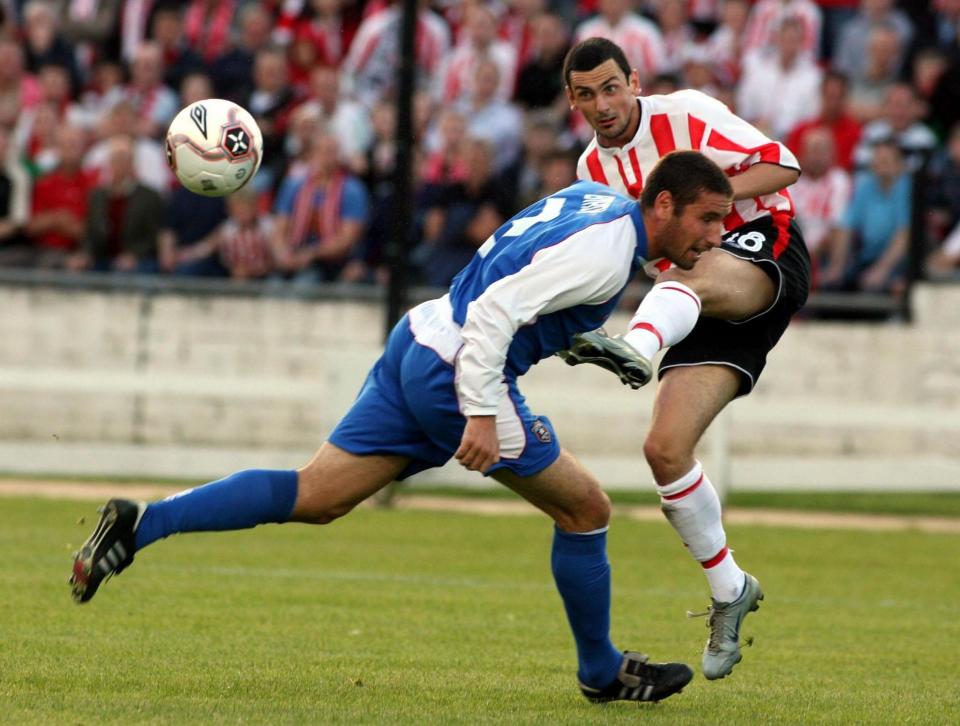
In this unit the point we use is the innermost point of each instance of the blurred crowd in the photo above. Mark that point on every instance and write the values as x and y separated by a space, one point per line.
865 92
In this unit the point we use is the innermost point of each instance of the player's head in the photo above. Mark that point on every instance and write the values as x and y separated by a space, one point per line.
602 87
684 202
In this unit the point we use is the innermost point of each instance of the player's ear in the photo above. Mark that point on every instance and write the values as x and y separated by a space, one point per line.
570 100
634 82
663 206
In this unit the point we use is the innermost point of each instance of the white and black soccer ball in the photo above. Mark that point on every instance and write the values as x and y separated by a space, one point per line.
214 147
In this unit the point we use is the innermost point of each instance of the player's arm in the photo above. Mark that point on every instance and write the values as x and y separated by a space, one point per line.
762 178
587 268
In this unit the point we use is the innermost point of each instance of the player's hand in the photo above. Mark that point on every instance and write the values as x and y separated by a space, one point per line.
479 446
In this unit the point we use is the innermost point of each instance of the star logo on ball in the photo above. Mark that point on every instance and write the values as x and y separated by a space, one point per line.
236 141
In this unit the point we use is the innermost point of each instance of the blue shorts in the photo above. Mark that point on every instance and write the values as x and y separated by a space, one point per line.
408 407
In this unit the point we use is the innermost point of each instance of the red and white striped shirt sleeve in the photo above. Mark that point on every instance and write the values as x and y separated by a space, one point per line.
731 142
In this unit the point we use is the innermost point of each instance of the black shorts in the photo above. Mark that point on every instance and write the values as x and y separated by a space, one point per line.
774 243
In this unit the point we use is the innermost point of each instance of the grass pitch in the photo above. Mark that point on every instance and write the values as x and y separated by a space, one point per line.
413 617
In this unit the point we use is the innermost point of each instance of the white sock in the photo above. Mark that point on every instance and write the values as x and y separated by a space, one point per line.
692 507
666 316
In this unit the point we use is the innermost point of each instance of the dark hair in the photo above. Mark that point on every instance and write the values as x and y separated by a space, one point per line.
686 175
588 54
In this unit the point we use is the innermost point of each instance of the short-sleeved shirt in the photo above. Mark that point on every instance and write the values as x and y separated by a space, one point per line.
876 214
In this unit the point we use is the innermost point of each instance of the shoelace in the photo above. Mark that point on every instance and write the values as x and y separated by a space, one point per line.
715 632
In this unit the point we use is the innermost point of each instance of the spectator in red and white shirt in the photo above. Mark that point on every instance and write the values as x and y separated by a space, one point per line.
821 195
516 27
479 42
18 89
725 44
153 101
640 39
766 16
244 240
370 68
674 20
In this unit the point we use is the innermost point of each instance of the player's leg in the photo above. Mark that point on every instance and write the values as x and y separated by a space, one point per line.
328 487
720 285
688 399
573 498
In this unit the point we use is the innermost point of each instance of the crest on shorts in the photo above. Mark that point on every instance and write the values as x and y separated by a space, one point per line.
541 431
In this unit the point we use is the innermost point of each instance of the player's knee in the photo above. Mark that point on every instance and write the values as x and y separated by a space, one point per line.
668 459
587 514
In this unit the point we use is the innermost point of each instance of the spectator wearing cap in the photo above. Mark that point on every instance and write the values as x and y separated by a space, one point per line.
900 121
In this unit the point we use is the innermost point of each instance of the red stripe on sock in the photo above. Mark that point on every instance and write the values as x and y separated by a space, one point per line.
685 292
647 326
685 492
715 560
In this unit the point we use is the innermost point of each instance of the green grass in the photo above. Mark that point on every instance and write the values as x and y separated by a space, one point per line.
427 618
942 504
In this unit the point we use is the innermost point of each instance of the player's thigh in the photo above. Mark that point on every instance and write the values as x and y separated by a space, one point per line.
729 287
688 399
335 481
565 491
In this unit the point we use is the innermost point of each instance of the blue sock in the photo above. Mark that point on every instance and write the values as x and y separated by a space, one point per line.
582 574
240 501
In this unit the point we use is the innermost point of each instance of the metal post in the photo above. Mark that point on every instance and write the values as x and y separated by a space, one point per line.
398 247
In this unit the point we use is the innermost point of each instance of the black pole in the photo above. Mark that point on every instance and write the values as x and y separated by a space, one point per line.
917 249
398 247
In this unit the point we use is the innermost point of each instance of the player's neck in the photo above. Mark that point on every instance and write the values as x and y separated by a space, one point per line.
628 133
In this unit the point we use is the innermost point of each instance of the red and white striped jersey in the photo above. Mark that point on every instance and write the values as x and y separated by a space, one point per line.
690 120
455 79
764 21
247 249
820 205
640 39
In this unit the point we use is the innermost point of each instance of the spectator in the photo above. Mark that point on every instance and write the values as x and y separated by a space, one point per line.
559 172
43 42
540 81
123 219
461 216
851 56
271 103
640 38
187 222
779 87
60 200
673 19
150 159
943 188
33 136
242 244
195 87
18 89
445 162
459 66
208 25
320 216
945 260
369 70
154 103
14 204
698 70
540 142
104 90
93 29
900 121
820 195
347 119
726 42
233 70
325 31
870 250
880 73
834 115
516 27
179 59
490 118
766 17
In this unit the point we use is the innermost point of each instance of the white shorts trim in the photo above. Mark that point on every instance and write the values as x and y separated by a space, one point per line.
713 363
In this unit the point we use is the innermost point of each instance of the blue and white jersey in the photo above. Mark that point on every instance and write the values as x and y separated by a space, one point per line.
555 269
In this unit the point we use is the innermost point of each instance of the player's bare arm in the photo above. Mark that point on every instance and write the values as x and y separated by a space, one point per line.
762 178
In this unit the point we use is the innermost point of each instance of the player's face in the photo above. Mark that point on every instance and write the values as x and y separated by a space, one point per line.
608 101
699 228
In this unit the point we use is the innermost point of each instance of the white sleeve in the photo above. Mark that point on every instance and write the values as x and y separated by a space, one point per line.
588 268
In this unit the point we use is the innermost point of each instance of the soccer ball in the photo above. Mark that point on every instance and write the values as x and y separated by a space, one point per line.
214 147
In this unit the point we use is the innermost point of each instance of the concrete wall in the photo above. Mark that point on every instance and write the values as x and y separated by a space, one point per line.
183 385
